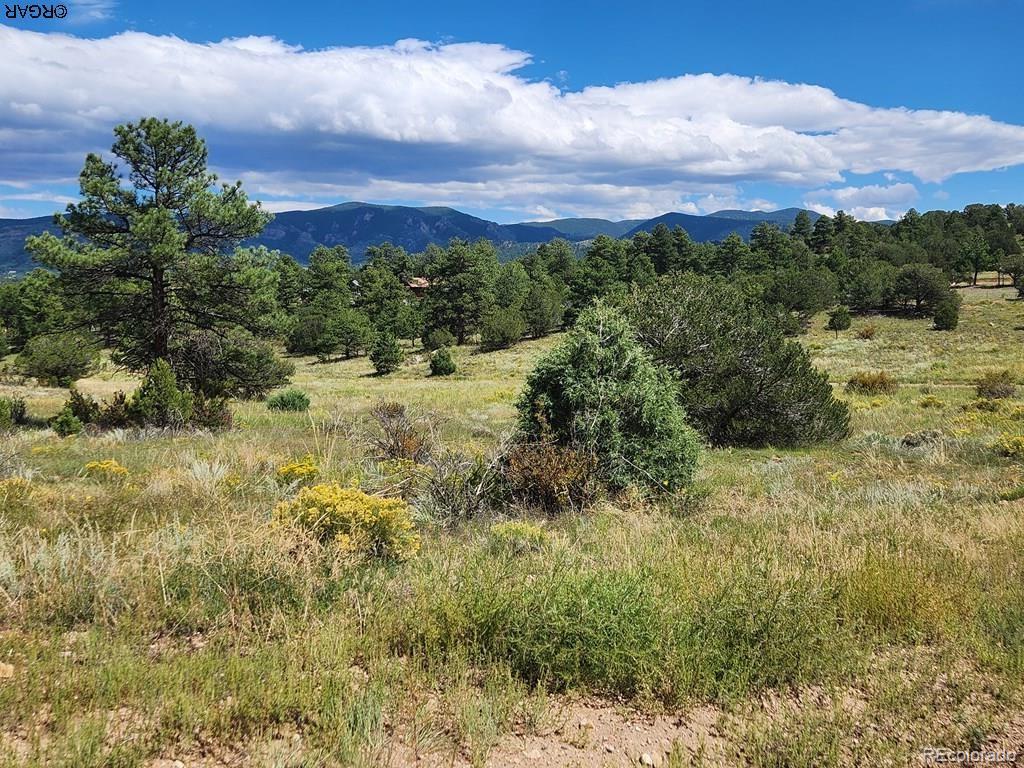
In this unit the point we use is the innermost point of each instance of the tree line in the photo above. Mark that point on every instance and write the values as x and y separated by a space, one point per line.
152 270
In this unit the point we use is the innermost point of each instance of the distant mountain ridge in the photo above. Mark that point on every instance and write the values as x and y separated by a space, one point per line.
13 257
359 225
586 229
721 224
783 217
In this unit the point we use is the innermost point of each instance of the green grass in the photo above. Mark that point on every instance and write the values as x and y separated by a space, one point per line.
842 603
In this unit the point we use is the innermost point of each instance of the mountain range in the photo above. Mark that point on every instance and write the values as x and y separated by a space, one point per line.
359 225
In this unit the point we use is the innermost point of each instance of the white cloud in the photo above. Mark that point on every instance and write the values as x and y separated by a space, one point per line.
7 212
872 194
873 202
276 206
522 198
443 123
824 210
874 213
712 202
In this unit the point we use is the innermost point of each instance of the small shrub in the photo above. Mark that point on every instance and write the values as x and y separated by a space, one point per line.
839 320
738 379
929 401
385 354
66 423
995 385
872 383
441 363
947 313
212 413
231 364
458 487
438 338
921 438
158 402
352 520
1014 494
502 328
293 400
114 413
600 393
300 471
982 405
1011 446
82 406
398 437
107 469
866 332
516 537
13 489
5 345
58 359
12 413
555 478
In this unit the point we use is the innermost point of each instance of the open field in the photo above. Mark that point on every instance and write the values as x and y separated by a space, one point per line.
848 604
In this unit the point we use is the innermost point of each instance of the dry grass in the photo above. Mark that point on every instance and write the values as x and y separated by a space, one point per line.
848 603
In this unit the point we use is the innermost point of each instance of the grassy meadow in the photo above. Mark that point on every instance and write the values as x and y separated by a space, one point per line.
850 604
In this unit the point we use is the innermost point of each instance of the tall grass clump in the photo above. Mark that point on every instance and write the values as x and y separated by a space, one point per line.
291 400
565 627
995 385
867 332
899 597
872 383
755 629
566 624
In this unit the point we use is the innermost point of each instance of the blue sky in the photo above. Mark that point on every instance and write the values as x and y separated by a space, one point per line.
534 110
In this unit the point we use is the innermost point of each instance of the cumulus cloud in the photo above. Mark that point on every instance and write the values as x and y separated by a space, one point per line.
873 202
874 213
277 206
873 194
458 123
818 207
521 197
712 202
